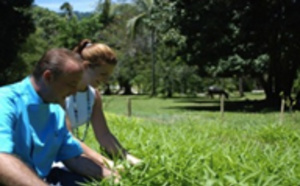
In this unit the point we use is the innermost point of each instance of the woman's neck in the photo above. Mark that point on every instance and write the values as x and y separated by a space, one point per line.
81 87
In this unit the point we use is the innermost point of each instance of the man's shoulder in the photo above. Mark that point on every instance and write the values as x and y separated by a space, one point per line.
17 92
12 91
56 108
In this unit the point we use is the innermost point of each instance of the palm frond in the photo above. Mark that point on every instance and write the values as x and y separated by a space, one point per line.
133 24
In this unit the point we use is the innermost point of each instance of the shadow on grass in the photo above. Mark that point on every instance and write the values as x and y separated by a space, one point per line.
194 104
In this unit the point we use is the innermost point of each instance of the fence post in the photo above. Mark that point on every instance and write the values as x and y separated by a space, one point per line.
222 106
282 110
129 107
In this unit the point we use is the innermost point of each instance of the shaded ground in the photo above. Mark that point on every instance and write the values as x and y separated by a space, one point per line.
197 104
144 105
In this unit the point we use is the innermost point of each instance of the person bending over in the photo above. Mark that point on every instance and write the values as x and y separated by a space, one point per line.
99 62
33 133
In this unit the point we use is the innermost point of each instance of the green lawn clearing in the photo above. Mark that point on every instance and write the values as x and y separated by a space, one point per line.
181 143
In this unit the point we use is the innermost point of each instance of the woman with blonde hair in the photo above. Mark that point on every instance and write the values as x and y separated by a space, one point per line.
85 106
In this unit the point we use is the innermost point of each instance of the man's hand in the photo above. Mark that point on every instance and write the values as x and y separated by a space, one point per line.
111 174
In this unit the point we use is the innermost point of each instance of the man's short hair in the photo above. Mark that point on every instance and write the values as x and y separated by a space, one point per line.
55 60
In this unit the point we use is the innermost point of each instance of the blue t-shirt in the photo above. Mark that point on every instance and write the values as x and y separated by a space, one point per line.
33 130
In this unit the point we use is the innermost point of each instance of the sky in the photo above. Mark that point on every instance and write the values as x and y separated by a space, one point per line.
78 5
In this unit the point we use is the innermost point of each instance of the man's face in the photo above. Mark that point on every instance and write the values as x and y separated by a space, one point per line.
66 83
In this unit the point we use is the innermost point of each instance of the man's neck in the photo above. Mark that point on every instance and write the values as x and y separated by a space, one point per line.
40 88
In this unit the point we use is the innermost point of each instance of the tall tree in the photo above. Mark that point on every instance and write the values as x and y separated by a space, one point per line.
145 18
45 37
72 30
272 28
263 33
16 24
126 48
107 10
48 24
68 9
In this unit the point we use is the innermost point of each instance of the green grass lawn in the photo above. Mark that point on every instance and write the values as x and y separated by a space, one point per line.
185 141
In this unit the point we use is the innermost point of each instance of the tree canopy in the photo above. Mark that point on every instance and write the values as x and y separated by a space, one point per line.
235 39
16 24
263 31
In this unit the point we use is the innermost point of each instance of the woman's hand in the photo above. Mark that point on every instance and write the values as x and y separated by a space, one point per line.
133 160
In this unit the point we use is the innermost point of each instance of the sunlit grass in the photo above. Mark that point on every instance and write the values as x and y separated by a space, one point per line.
181 147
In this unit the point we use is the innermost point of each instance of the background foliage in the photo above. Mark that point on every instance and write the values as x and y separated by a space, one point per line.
167 47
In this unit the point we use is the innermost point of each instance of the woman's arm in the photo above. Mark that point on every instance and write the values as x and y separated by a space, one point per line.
105 138
95 156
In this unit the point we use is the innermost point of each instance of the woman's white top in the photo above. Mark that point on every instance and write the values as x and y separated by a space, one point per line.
79 107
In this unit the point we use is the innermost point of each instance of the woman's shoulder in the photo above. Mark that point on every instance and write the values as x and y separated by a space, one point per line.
95 94
92 90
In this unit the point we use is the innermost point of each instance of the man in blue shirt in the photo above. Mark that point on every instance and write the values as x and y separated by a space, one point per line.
33 133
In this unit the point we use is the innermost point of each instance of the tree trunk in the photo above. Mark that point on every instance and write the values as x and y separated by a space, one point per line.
127 88
169 87
107 90
241 88
153 62
169 93
278 82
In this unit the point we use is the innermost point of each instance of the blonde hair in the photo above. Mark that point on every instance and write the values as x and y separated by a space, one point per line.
95 53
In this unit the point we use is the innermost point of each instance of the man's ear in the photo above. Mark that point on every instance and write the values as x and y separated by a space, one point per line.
47 76
86 64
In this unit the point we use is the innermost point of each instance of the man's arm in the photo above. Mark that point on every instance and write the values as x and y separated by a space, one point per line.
87 162
85 166
14 172
96 157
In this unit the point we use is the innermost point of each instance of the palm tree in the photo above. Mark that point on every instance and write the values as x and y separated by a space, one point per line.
67 7
107 10
147 8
